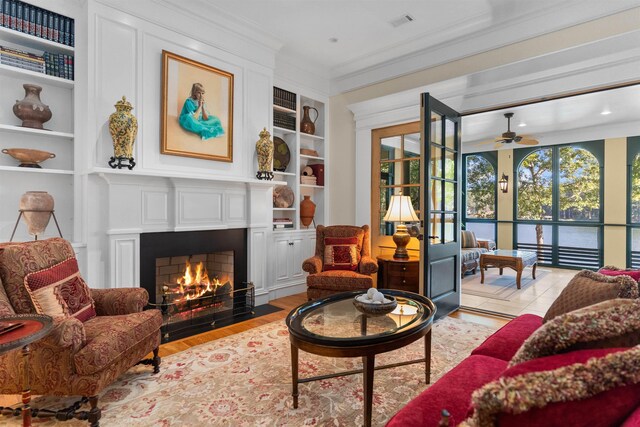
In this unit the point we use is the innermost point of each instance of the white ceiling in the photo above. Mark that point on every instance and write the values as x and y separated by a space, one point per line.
560 121
369 46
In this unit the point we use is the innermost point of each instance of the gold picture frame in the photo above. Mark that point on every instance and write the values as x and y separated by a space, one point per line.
197 109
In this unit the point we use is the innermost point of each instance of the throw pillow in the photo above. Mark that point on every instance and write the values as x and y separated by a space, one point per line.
341 253
468 239
595 388
588 288
613 323
609 270
59 291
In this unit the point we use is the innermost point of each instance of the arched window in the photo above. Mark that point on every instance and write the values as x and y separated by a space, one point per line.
479 197
633 210
559 206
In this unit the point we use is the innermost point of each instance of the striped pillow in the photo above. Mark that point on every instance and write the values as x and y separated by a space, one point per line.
468 239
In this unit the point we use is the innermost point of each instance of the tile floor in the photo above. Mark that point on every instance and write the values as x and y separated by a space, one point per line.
536 299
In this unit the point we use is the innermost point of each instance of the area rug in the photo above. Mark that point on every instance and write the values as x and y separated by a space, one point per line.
245 380
499 287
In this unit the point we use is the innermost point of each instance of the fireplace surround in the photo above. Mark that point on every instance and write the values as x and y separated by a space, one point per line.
164 256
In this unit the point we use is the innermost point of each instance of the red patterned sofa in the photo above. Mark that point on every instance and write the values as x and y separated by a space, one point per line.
81 355
580 368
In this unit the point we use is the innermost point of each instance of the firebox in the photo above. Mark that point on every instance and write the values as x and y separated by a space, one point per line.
197 279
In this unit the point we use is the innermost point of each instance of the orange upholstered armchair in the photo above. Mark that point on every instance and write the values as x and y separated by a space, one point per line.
342 261
83 353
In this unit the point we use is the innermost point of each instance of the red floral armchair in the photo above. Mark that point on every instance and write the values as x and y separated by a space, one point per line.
322 281
76 358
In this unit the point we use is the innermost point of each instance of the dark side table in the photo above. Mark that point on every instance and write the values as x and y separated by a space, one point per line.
32 328
399 273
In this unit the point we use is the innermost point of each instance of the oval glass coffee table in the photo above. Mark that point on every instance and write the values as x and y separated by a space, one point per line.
333 327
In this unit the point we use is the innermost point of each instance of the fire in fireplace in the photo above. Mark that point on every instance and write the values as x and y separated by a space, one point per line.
197 278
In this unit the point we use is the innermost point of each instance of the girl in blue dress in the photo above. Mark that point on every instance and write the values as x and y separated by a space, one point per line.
195 118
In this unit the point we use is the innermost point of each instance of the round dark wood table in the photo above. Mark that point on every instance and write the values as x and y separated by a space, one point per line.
20 331
333 327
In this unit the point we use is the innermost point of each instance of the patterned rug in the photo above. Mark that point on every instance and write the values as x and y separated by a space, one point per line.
499 287
245 380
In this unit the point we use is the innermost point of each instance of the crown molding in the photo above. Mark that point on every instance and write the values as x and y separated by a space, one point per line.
537 24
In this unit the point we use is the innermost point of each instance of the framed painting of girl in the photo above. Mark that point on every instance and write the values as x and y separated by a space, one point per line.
197 109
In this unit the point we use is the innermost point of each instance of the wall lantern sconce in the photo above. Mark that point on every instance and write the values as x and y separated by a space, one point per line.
504 183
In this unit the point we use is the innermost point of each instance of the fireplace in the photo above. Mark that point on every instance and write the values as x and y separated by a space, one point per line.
197 278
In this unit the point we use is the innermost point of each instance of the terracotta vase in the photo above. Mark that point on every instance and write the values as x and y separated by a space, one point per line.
31 110
307 211
306 124
36 207
264 149
123 127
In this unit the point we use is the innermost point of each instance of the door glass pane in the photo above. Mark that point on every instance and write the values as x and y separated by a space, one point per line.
414 193
436 195
534 186
390 148
412 145
411 172
436 128
449 165
449 196
436 161
579 188
390 173
449 134
435 229
449 228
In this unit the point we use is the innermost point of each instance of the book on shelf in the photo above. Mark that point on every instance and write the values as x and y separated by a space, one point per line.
289 220
284 98
282 225
29 19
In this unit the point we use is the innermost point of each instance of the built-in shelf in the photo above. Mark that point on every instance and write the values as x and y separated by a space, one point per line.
36 170
283 130
284 173
311 186
42 132
284 209
304 156
284 109
316 137
33 42
39 77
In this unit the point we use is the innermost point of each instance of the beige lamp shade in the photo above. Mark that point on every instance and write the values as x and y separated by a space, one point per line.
401 210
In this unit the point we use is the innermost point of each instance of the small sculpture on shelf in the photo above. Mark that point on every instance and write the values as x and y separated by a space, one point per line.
307 211
31 110
123 127
264 149
36 208
27 157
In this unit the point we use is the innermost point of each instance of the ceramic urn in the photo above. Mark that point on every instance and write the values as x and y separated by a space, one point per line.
31 110
264 149
36 207
307 211
123 127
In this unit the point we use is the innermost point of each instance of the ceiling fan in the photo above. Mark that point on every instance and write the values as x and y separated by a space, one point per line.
508 137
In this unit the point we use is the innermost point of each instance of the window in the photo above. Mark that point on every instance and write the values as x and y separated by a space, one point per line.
559 204
633 210
480 178
395 169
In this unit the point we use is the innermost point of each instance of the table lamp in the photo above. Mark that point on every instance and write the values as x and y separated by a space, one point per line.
400 210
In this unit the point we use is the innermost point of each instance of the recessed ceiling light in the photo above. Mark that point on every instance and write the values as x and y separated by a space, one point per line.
333 40
606 112
522 124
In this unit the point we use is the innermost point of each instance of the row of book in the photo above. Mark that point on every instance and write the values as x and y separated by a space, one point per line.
284 98
284 120
36 21
52 64
279 223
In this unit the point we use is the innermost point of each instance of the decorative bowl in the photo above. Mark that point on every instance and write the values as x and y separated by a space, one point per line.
29 158
373 310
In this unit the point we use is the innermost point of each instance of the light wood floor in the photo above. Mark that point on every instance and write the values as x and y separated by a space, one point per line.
287 304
